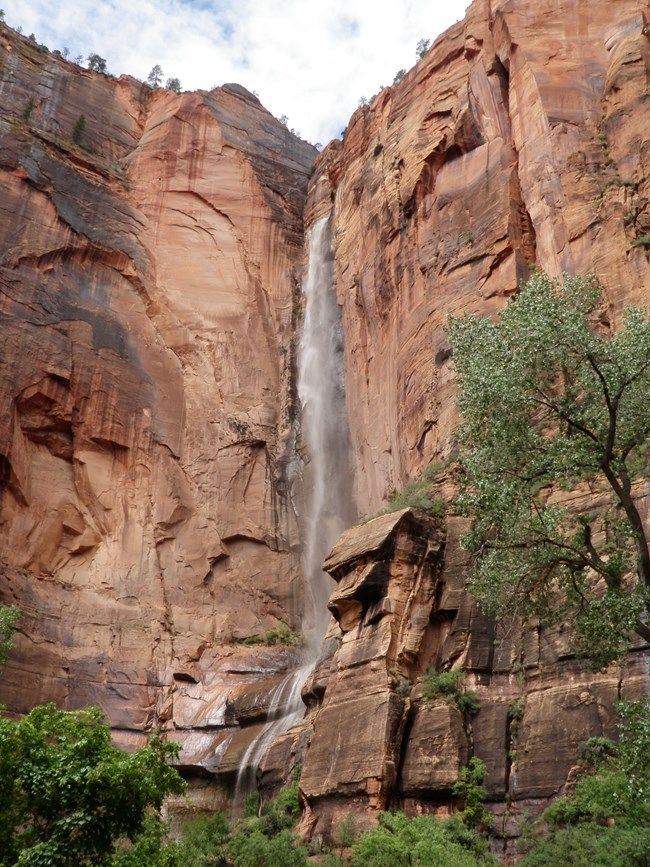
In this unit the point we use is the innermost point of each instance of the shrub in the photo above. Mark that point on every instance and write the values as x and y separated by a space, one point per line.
423 840
68 794
29 108
9 616
605 821
516 709
449 686
419 494
280 634
469 788
79 127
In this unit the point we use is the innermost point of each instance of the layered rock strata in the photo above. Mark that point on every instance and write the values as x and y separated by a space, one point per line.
150 254
378 741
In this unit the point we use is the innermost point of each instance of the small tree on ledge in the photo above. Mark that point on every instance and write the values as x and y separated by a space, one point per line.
554 404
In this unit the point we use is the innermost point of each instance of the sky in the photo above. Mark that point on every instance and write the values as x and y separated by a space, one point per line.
311 60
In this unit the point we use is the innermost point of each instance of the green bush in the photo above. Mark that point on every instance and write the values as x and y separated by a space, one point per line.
450 686
9 616
280 634
420 494
67 794
469 788
605 821
152 848
249 847
399 841
79 127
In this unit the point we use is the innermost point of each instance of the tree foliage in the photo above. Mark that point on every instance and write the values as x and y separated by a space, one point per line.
9 616
96 63
155 76
399 841
605 821
67 794
553 402
422 47
173 84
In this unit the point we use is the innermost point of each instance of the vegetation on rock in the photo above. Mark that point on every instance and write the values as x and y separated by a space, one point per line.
399 841
9 616
605 821
553 403
419 494
280 634
449 686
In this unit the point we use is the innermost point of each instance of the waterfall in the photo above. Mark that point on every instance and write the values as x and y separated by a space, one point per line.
321 388
328 506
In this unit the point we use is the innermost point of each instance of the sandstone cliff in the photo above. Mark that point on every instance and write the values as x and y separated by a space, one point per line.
150 256
149 292
521 139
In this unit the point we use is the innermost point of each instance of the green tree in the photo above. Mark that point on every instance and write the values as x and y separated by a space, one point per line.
155 76
553 402
67 794
173 84
399 841
399 75
96 63
422 47
469 788
9 616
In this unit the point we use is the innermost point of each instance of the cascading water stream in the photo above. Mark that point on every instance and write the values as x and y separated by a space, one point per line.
328 482
321 388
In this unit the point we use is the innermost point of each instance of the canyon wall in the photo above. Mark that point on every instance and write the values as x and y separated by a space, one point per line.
150 267
522 139
151 251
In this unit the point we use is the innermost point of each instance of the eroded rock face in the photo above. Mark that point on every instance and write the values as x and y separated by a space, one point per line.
387 573
147 417
520 139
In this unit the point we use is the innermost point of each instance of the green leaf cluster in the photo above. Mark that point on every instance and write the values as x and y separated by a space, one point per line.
552 400
399 841
280 634
605 821
469 788
67 794
419 494
450 686
9 616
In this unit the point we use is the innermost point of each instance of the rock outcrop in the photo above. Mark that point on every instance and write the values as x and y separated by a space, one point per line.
387 572
151 250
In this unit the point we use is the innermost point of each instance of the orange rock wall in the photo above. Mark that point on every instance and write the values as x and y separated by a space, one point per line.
521 138
147 282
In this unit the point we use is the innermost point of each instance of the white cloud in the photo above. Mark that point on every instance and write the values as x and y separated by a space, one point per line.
311 61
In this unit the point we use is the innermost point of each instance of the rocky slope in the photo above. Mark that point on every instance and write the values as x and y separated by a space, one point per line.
150 256
149 292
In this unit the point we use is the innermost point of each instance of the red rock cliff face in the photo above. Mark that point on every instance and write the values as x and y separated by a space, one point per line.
147 282
522 138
